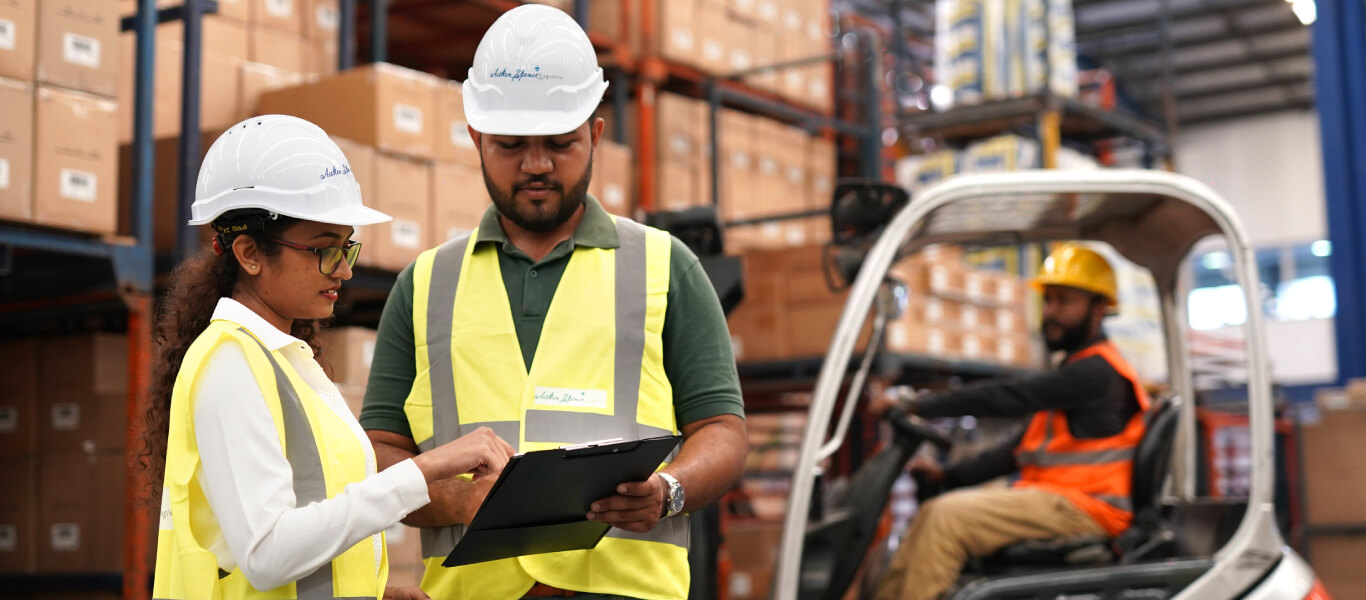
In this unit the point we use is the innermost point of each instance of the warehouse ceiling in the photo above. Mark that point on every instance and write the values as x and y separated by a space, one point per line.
1231 58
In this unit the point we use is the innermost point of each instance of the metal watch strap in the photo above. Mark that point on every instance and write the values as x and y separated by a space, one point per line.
673 488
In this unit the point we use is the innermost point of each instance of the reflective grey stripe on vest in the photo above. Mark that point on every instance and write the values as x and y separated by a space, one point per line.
1040 458
440 302
544 425
310 485
1121 502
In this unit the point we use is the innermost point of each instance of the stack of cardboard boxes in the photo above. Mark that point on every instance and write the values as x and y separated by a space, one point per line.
766 169
249 47
1335 482
405 135
729 36
63 428
58 78
952 312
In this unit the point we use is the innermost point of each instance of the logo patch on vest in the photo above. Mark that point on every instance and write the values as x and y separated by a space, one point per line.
552 396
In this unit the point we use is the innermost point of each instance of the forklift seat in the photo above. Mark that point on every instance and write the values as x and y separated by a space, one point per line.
1147 533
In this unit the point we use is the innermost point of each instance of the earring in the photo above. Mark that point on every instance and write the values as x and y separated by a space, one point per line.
251 268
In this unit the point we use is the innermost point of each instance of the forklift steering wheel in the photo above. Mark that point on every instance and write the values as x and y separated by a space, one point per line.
908 423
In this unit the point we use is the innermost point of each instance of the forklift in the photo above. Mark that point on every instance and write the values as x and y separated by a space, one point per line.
1180 545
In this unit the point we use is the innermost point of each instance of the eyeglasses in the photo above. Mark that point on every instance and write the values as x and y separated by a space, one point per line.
329 258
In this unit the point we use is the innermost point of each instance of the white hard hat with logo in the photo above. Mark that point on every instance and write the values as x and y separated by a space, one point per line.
534 73
284 165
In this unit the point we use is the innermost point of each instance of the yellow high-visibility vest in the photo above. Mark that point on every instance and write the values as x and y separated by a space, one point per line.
598 373
323 453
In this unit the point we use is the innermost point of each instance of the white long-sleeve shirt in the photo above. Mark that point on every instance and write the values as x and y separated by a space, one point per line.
249 483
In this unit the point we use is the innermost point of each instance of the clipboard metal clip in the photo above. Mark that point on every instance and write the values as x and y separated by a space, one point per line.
594 444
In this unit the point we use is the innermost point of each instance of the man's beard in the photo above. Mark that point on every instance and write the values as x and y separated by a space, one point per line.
531 219
1072 336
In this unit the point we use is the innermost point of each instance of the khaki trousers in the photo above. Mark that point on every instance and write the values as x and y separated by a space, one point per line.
969 523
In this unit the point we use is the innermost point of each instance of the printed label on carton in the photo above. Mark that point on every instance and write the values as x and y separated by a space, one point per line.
682 40
460 134
1005 353
407 118
66 536
9 419
66 416
81 50
935 341
282 9
327 18
4 173
406 234
367 353
6 34
9 538
972 346
614 196
78 185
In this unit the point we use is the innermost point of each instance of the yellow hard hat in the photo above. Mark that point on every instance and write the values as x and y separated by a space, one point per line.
1075 266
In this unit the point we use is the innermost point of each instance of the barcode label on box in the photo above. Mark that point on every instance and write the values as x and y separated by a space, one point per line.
974 285
66 536
934 310
9 419
972 346
9 538
1005 352
4 173
407 118
935 341
614 196
739 59
682 40
460 134
1005 320
78 185
6 35
66 416
939 279
406 234
328 18
970 318
711 50
81 50
796 175
280 8
1005 292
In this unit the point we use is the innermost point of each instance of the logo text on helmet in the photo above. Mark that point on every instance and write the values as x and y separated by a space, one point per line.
519 74
335 171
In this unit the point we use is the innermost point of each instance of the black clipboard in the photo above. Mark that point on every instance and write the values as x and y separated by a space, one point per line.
539 502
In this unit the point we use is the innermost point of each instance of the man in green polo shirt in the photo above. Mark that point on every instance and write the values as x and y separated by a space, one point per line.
551 295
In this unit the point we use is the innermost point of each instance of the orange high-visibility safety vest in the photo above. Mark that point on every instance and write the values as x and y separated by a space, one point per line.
1095 474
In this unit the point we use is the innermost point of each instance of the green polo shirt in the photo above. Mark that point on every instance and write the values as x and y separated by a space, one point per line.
697 354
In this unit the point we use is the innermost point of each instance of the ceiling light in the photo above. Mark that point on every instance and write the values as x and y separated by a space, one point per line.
1321 248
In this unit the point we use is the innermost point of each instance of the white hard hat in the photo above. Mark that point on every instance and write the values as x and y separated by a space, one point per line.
284 165
534 73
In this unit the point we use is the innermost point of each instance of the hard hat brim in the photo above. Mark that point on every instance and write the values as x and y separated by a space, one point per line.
1041 282
354 216
528 122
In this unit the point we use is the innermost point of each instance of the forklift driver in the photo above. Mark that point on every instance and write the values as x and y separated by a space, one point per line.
1074 458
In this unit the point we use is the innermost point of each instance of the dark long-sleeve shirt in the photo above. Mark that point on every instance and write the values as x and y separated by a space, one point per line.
1096 399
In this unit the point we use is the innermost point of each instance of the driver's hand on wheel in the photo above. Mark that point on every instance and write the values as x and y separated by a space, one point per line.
927 470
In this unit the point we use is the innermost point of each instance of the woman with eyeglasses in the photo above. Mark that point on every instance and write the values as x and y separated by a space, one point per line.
270 488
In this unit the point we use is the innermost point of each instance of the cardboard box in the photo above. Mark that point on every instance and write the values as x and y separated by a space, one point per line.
453 142
96 363
713 54
354 395
19 400
19 514
403 191
1016 350
405 556
76 420
611 183
1335 472
347 354
388 107
80 512
677 187
280 15
225 48
284 50
18 35
910 337
459 200
753 548
322 20
680 23
75 162
16 150
258 79
739 45
166 222
758 326
323 55
78 46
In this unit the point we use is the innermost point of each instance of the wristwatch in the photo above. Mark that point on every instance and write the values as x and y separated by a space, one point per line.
673 497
